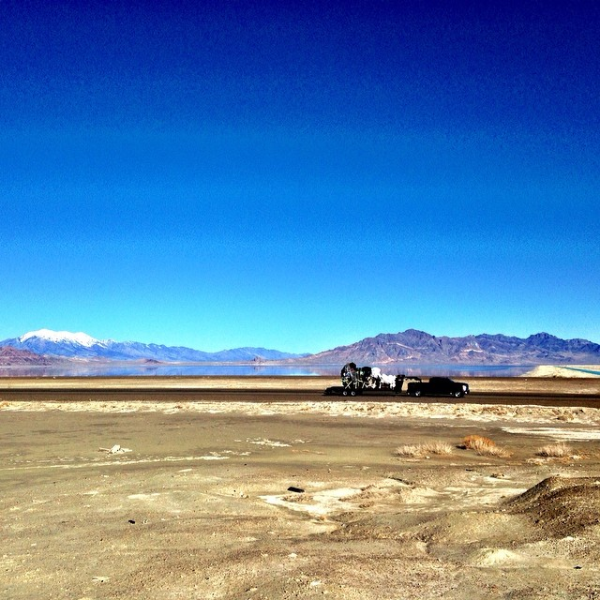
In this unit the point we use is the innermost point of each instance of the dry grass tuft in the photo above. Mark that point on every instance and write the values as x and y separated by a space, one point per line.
559 450
477 442
420 450
438 448
483 445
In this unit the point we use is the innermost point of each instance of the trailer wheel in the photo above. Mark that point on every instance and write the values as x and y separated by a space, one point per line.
353 392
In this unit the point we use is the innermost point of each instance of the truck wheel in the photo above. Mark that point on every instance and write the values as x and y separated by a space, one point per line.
458 394
417 393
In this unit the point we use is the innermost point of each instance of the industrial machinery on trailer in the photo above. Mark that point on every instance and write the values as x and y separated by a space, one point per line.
359 380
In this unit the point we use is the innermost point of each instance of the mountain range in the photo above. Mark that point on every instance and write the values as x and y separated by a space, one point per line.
65 344
411 347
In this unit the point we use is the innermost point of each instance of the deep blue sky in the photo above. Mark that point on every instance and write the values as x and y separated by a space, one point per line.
299 175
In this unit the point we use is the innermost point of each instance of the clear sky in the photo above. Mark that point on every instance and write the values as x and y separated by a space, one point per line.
299 175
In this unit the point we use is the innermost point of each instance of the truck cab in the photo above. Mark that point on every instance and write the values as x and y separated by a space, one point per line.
438 386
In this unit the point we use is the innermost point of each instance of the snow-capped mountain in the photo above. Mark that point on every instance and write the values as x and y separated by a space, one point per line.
58 343
59 337
410 346
80 345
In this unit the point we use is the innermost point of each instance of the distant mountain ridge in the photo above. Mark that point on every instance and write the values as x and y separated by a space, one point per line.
413 346
45 342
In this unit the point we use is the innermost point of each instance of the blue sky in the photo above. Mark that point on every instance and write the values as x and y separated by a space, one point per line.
299 175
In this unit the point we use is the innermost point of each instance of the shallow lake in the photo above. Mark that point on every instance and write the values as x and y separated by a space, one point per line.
228 370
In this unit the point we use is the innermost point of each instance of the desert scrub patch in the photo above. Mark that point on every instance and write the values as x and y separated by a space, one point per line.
477 442
554 451
483 446
420 450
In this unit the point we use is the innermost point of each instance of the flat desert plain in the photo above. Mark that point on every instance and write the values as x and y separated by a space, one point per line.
264 488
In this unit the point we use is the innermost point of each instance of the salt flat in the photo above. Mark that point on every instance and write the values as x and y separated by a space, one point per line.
228 498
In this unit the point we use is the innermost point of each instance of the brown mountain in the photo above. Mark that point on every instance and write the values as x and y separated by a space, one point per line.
412 346
11 356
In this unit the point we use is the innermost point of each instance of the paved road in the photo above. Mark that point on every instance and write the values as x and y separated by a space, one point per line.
275 395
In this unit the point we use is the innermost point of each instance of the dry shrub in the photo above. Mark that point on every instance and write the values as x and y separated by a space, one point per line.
497 451
437 448
483 445
419 450
477 442
559 450
408 451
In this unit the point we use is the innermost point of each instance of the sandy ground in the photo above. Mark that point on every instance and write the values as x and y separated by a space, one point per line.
230 497
565 371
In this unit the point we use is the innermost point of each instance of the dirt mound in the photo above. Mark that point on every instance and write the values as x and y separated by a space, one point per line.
561 506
